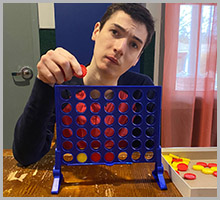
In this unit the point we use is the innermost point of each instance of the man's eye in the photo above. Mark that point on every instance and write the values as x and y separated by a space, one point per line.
134 45
114 32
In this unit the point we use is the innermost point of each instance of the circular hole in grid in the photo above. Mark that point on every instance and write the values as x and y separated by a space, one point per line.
136 144
81 120
67 145
109 157
137 119
137 107
95 94
81 132
123 94
122 144
95 120
135 155
123 107
109 94
149 144
109 119
81 157
95 107
149 155
109 132
123 132
109 144
122 155
150 107
95 144
80 107
81 144
150 119
137 94
67 132
151 94
95 157
68 157
150 131
66 107
66 120
95 132
136 132
80 95
109 107
65 94
123 119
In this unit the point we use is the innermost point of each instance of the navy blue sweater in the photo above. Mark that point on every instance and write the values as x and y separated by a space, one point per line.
34 129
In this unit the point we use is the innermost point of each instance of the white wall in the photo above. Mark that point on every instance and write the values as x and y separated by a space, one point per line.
46 15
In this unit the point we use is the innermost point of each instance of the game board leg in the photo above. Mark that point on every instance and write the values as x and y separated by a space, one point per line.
58 177
158 176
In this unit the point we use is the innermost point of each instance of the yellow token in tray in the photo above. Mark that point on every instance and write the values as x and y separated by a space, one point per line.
168 158
207 171
186 160
198 167
214 169
173 156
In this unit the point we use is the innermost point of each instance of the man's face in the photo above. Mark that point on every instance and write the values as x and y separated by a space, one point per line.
118 45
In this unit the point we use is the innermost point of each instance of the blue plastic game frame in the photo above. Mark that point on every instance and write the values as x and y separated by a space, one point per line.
124 127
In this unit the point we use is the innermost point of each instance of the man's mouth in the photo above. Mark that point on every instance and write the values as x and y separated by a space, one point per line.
113 59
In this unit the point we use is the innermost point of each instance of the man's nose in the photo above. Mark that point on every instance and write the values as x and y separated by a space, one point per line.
120 46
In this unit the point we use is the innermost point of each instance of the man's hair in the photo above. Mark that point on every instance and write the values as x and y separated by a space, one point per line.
136 11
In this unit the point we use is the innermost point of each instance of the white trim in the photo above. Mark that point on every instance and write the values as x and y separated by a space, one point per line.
46 15
155 10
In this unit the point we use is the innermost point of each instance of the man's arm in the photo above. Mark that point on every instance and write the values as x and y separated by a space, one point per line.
34 129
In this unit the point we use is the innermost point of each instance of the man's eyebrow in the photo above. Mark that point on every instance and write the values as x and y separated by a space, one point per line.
122 29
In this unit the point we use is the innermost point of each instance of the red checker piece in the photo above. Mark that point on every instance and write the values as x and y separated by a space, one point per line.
177 160
84 72
109 157
202 163
182 167
215 173
95 157
212 165
189 176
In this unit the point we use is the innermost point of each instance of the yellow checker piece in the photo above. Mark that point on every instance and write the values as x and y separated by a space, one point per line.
173 156
168 158
214 169
198 167
207 171
186 159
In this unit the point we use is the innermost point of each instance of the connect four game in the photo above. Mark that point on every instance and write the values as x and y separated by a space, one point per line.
107 125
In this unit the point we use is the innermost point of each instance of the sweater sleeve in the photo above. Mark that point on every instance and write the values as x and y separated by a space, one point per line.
35 127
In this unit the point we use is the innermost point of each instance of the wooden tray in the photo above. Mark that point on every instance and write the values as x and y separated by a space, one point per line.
205 185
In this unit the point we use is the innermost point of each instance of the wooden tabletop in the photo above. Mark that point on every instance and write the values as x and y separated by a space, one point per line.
36 180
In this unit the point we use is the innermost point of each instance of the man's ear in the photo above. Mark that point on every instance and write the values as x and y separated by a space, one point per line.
96 31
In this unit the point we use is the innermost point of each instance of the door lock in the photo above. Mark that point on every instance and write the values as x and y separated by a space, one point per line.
24 75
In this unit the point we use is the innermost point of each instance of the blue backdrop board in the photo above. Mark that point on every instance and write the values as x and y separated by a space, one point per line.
74 25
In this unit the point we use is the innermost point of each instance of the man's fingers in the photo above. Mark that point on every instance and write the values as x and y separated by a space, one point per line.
55 70
73 61
57 66
45 75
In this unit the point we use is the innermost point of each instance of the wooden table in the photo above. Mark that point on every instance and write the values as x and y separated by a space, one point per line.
36 180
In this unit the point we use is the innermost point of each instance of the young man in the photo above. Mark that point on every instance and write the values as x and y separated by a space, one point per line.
120 38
